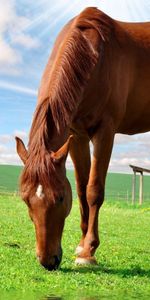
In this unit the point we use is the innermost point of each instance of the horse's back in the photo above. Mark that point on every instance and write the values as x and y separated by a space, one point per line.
139 33
137 112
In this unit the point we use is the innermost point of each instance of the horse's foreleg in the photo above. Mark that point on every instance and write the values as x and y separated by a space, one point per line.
102 142
80 155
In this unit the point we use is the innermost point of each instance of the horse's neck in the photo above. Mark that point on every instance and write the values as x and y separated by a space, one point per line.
56 140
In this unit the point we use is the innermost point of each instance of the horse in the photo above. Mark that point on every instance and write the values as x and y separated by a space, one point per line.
96 84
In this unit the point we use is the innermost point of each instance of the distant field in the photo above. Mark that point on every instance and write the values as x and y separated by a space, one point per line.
118 186
9 177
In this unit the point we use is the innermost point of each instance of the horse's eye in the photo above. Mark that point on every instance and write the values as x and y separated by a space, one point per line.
61 199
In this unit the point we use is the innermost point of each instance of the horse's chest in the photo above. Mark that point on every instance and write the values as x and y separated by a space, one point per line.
86 121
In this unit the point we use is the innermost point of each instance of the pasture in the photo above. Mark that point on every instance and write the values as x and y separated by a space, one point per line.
124 255
118 186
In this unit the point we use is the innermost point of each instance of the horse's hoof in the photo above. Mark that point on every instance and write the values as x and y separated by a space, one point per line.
86 261
78 250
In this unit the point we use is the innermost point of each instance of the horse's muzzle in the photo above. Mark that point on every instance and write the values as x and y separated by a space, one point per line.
53 262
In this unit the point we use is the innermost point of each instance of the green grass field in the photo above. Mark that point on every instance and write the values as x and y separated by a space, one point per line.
124 256
123 271
9 178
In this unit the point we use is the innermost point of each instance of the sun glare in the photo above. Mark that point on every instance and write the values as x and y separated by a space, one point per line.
51 14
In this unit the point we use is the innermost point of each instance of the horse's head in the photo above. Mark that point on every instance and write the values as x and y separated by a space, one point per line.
49 202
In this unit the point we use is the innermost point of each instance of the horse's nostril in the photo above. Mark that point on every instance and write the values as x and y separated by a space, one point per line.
51 264
57 260
50 267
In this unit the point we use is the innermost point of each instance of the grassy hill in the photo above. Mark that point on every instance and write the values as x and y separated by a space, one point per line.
9 177
118 186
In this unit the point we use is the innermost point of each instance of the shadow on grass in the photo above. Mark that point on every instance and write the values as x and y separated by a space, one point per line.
99 270
12 245
73 297
52 298
79 298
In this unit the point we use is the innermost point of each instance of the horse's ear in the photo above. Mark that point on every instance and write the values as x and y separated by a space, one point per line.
62 153
21 149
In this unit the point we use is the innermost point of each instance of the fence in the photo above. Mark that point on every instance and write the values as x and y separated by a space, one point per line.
124 196
5 191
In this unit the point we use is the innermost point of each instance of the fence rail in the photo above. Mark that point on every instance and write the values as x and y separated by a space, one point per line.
112 196
126 197
5 191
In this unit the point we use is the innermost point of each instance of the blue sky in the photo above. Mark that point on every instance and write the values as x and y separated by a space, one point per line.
27 33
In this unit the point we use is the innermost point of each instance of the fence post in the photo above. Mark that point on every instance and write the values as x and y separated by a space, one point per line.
127 196
141 189
134 187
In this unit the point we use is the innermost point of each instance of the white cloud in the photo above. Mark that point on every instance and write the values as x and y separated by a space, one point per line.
20 133
2 149
8 154
17 88
130 140
7 14
122 139
10 158
133 150
8 55
5 138
12 34
25 40
122 165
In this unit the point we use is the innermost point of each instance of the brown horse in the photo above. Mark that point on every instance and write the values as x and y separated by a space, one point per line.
96 84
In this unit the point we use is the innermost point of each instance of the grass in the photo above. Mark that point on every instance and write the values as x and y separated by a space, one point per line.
9 177
124 256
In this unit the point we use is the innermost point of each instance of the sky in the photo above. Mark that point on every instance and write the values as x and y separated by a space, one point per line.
27 33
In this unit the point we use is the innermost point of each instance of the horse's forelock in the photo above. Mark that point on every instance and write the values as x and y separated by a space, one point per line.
39 170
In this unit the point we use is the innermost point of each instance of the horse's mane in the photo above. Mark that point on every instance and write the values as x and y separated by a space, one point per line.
74 64
39 168
73 67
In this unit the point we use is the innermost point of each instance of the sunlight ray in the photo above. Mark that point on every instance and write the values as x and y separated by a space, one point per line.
44 15
59 18
14 87
137 10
